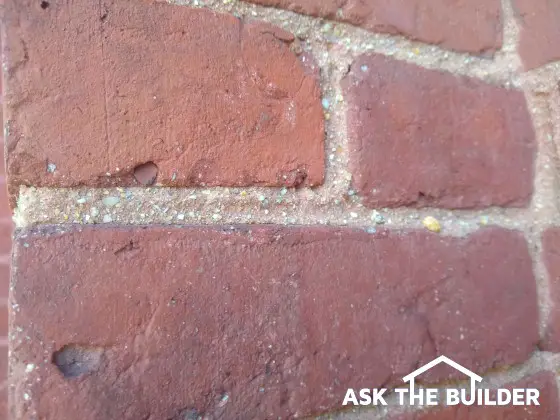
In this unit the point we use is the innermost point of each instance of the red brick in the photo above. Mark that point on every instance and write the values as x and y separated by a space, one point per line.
4 403
4 279
207 98
3 319
423 137
6 229
2 155
5 210
281 320
3 368
464 25
551 256
539 39
548 409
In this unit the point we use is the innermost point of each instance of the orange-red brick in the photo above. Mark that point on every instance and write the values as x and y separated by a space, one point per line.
95 89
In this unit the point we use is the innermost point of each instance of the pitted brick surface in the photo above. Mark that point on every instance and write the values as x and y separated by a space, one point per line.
208 99
251 322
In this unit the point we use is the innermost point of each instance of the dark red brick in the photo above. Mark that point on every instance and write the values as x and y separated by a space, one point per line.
539 39
96 86
464 25
260 322
423 137
551 256
548 409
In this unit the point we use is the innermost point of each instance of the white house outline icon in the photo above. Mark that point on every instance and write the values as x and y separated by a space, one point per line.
410 377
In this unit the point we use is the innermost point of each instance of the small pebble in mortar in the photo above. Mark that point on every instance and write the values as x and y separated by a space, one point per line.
110 201
432 224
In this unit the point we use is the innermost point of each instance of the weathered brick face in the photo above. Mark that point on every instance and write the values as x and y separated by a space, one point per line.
551 255
538 21
6 227
283 200
208 99
426 138
255 313
469 26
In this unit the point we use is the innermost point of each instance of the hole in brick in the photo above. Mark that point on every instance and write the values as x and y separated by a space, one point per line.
294 178
146 173
74 361
45 5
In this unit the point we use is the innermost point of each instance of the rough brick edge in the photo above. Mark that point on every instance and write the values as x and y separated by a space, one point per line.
411 23
294 165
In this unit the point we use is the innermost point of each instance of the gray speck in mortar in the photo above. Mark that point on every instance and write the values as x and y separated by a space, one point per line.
111 201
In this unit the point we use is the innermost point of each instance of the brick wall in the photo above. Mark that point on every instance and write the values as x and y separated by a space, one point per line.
239 210
6 227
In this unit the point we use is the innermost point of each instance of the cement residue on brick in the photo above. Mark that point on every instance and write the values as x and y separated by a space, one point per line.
334 46
544 206
347 39
138 206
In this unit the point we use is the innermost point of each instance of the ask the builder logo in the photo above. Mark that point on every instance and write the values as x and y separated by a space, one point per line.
449 396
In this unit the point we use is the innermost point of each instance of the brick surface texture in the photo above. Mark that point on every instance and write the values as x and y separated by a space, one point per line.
206 98
422 137
6 227
238 209
254 313
540 33
462 25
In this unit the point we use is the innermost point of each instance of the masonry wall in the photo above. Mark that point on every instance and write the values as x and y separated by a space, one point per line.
239 210
6 227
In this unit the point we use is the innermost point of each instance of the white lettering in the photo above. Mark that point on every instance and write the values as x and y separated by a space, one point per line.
431 396
350 397
378 396
533 396
488 398
503 396
453 397
365 397
401 392
464 399
518 396
417 396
